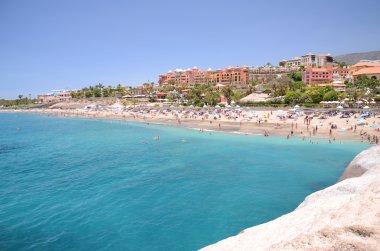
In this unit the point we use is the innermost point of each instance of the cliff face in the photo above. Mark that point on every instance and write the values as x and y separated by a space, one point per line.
345 216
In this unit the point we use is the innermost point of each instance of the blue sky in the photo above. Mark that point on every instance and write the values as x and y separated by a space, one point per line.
47 44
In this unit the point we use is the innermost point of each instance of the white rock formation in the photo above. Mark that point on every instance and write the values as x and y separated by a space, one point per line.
345 216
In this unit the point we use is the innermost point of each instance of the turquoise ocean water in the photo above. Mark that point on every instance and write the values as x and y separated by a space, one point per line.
76 184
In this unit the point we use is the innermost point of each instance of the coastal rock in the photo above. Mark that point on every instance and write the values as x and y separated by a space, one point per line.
362 162
345 216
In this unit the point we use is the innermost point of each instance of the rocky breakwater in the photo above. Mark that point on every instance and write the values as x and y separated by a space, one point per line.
345 216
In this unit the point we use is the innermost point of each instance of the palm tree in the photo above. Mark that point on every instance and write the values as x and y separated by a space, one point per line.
121 90
227 93
18 101
100 86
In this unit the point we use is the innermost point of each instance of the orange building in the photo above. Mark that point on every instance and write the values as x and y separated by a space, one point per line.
181 77
189 77
370 69
324 74
317 75
231 75
371 72
363 64
54 96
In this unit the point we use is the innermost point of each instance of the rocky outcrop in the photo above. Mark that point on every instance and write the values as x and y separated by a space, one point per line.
345 216
362 162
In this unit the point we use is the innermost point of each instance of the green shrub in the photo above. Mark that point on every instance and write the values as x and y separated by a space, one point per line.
331 96
292 97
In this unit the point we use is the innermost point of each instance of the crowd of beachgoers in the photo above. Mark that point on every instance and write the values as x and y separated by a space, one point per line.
330 123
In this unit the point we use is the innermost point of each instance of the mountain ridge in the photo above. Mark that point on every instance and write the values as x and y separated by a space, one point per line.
353 58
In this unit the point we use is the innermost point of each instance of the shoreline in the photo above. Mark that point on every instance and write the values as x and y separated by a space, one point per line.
311 224
289 129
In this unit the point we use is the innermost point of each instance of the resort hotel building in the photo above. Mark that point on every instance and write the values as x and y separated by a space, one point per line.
54 96
308 60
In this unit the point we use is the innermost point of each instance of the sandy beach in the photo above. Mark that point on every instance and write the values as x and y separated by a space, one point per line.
267 121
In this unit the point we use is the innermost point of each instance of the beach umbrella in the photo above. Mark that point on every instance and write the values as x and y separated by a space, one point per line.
360 122
280 113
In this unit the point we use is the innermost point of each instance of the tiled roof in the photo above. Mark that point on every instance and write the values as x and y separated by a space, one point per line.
369 70
318 70
367 64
